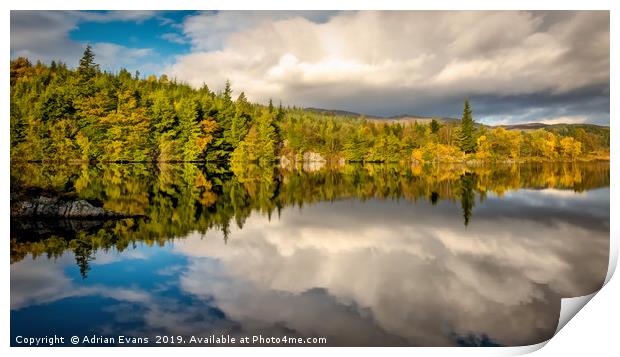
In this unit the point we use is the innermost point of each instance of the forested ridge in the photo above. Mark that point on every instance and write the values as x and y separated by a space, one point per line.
85 114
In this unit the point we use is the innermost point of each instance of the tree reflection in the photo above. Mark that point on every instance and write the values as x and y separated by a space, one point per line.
467 195
83 251
176 199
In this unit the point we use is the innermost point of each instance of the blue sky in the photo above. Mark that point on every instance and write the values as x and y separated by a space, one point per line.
551 67
157 33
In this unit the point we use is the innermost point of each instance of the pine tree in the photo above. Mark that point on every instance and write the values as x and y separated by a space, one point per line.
434 126
240 122
88 68
280 114
468 198
266 138
188 130
227 93
467 141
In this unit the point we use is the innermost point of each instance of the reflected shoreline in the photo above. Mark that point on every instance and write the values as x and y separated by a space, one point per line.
176 199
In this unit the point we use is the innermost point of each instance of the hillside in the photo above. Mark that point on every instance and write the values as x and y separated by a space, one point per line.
535 126
403 118
422 119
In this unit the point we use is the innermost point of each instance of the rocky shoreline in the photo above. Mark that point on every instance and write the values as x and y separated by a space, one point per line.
51 207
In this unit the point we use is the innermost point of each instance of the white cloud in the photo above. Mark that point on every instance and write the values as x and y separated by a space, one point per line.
209 30
174 38
109 55
115 15
404 58
44 35
36 281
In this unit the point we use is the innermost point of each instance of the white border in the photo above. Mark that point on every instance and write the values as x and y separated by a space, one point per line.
591 331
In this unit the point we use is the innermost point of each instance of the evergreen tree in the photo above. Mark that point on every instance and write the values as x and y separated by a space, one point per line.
435 126
266 138
280 114
258 146
468 198
88 68
240 122
188 129
467 140
227 93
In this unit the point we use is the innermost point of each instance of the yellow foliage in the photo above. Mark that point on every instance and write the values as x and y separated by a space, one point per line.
571 148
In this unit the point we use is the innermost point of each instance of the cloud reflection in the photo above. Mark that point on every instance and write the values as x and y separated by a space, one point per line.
421 277
379 272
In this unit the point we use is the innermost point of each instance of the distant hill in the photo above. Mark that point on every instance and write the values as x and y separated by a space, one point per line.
403 118
422 119
341 113
407 118
535 126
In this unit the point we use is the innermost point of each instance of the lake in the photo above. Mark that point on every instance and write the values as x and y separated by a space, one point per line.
380 255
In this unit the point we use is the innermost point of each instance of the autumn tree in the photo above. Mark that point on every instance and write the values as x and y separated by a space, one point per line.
258 146
241 121
571 148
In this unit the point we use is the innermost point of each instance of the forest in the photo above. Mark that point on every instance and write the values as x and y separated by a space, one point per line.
59 114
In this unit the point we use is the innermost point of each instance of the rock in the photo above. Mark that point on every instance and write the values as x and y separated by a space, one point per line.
285 162
311 156
43 228
54 207
313 166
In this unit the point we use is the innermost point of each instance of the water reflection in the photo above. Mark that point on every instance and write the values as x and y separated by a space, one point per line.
375 255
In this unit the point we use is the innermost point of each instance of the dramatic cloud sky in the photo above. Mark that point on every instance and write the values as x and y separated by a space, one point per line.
514 66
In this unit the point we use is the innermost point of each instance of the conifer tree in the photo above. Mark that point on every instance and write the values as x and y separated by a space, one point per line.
227 93
280 114
435 126
467 140
88 68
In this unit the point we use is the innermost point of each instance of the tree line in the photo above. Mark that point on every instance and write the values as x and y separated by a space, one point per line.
85 114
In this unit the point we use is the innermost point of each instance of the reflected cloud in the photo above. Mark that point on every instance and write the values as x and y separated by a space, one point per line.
36 281
422 278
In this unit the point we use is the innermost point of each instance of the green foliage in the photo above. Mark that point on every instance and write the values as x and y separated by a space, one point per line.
435 126
467 139
258 146
59 114
468 198
88 68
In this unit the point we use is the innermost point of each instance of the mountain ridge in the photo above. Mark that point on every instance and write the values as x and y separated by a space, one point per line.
425 119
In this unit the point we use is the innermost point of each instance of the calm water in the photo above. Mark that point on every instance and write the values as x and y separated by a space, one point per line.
360 255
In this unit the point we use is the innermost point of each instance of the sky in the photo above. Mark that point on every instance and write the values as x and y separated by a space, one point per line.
513 66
